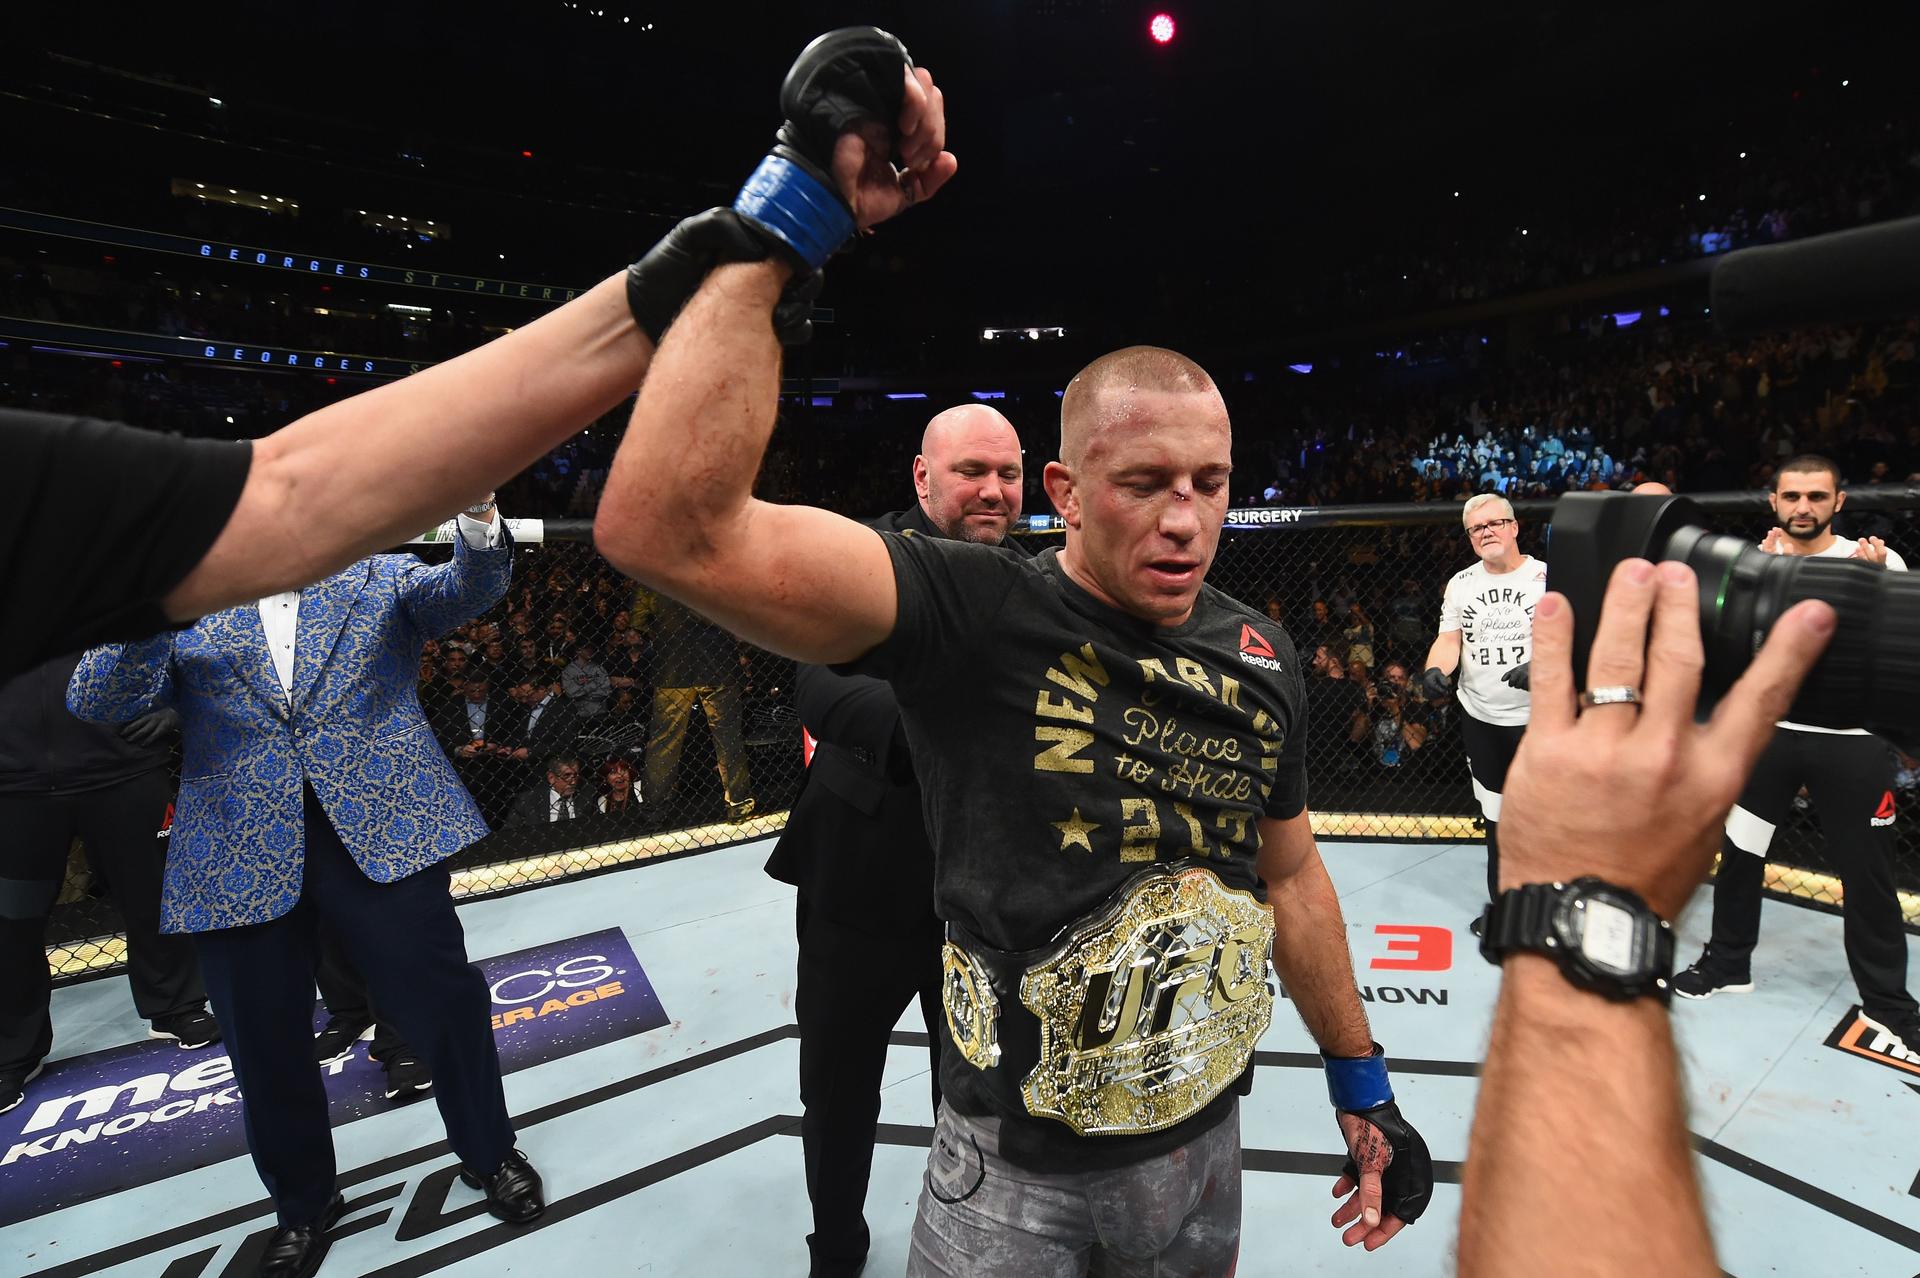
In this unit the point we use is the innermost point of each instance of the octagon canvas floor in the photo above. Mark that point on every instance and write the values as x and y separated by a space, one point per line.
645 1021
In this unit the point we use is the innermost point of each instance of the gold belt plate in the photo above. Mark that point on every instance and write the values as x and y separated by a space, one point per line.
1151 1008
973 1011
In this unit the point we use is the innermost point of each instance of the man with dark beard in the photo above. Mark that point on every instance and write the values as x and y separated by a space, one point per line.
856 846
1848 774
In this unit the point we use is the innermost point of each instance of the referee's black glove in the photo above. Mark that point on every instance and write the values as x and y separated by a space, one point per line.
1436 684
150 728
1521 676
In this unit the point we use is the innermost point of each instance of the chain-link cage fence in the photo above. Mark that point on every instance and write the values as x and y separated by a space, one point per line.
594 723
597 724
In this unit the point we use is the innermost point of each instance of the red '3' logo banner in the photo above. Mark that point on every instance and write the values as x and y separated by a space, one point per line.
1427 949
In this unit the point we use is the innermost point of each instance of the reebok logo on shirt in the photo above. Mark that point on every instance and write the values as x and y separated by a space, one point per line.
1883 815
1255 650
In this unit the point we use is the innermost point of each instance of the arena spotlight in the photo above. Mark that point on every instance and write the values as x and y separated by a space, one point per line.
1161 28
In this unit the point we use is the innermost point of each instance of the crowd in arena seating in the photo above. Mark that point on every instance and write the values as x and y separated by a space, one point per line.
578 666
1689 409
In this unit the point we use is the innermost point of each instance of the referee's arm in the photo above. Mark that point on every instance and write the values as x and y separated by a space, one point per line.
371 471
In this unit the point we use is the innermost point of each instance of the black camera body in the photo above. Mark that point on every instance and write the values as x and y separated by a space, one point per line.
1869 675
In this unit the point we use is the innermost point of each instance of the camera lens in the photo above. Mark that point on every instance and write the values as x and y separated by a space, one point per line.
1869 675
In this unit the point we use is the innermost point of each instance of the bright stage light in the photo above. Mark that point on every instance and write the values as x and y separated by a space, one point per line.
1161 28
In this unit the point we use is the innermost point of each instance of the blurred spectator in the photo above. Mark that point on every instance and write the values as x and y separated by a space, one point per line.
619 800
696 665
547 724
557 800
1336 712
1358 634
586 683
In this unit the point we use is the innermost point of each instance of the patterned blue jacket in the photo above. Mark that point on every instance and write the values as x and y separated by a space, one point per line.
355 730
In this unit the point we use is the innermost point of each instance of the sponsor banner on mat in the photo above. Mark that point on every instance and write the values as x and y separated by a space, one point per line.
105 1122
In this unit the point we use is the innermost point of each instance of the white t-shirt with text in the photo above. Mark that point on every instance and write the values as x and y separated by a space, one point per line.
1494 614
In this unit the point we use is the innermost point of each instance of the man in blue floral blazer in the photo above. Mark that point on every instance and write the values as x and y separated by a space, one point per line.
314 794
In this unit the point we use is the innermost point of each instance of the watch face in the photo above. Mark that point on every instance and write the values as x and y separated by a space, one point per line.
1607 936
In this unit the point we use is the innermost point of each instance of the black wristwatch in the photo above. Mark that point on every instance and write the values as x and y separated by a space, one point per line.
1605 938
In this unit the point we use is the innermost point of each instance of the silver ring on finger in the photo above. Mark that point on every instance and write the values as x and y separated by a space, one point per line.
1614 694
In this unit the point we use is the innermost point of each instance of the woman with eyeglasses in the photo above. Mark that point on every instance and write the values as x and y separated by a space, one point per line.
1486 639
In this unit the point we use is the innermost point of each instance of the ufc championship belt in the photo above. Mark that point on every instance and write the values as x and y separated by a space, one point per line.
1135 1019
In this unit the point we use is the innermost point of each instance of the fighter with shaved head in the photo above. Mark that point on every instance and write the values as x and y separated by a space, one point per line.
856 847
1109 752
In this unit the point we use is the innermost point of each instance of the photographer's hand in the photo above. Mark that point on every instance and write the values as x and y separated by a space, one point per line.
1636 796
1668 781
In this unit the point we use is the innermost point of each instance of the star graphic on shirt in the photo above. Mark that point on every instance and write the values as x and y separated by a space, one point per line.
1074 831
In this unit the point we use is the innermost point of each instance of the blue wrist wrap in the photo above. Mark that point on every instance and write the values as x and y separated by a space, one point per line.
793 204
1358 1083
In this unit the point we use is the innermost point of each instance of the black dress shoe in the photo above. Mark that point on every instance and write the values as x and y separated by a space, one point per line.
513 1192
297 1252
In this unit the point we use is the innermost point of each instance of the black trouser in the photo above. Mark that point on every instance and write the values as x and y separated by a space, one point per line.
1490 750
1850 781
406 938
121 826
344 991
852 988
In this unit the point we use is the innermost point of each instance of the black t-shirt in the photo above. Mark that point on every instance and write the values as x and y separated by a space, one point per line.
105 521
1061 746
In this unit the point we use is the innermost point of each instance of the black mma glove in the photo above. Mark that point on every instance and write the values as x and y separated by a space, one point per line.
150 728
660 283
840 81
1406 1184
1436 683
1521 677
1358 1086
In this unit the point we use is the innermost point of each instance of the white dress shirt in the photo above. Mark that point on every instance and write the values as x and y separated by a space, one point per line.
559 806
280 614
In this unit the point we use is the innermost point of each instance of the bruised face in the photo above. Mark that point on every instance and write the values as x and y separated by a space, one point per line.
1144 503
968 474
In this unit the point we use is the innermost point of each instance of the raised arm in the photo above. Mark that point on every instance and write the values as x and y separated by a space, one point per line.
678 512
440 597
371 471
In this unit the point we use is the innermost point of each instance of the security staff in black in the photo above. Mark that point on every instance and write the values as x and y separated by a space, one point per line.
1848 775
856 846
113 788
